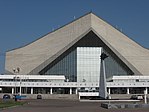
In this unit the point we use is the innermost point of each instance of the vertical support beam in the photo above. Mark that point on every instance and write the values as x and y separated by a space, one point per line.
128 90
76 90
31 90
51 91
12 90
0 89
109 90
146 89
145 95
70 91
20 89
79 97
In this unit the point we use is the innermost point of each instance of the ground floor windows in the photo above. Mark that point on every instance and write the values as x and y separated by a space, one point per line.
137 90
73 90
127 90
118 90
6 90
39 90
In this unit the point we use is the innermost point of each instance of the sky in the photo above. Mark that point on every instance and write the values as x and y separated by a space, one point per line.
23 21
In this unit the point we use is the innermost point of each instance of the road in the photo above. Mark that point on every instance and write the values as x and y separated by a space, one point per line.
66 106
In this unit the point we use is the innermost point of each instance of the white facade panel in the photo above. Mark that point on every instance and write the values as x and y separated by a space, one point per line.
88 64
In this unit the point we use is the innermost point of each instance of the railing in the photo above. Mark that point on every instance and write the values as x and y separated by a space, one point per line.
127 84
71 84
47 84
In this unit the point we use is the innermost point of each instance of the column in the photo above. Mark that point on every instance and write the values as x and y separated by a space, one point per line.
76 90
128 91
12 90
145 95
70 91
109 91
31 90
51 91
20 88
146 90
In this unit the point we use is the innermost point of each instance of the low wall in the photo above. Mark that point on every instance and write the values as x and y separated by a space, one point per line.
124 96
124 105
48 96
54 96
68 96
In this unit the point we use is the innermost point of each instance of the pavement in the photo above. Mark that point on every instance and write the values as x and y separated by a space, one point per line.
66 106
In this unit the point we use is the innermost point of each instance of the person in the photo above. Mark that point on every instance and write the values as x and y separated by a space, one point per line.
15 98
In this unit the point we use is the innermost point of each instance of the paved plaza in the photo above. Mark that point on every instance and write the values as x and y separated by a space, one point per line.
65 106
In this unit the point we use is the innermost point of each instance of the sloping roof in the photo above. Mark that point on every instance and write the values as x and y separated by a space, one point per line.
33 57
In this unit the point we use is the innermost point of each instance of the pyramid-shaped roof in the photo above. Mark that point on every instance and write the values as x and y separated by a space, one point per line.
33 57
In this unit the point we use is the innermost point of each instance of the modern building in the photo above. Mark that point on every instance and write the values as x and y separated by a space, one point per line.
73 52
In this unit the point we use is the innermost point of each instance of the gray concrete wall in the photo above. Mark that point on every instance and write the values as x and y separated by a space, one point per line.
124 96
71 97
135 56
33 57
48 96
34 54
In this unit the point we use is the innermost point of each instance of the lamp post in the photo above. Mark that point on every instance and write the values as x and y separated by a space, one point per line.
102 80
17 71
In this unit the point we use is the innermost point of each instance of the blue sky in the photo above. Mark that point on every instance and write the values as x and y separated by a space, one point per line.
23 21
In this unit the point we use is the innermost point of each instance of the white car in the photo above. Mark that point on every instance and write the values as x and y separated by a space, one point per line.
137 97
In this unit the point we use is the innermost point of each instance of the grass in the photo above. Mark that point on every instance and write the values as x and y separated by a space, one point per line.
10 103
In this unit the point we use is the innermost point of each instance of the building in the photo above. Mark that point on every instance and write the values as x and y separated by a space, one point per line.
73 51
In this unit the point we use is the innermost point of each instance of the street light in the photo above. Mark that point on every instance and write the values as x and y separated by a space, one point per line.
16 71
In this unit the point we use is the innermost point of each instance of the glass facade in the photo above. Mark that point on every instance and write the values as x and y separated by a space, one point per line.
81 61
66 66
114 67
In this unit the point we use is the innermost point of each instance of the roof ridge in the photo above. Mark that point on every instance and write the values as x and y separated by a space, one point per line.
52 31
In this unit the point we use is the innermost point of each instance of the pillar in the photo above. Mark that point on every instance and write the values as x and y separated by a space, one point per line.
146 90
31 90
109 91
51 91
128 91
79 97
20 89
145 95
70 91
76 91
12 91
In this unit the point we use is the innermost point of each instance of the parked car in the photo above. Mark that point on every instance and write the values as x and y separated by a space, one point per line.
39 97
6 96
137 97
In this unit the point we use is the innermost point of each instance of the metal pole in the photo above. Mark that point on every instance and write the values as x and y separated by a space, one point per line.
20 85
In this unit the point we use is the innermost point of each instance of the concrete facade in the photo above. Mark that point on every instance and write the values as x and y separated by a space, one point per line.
33 57
117 87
